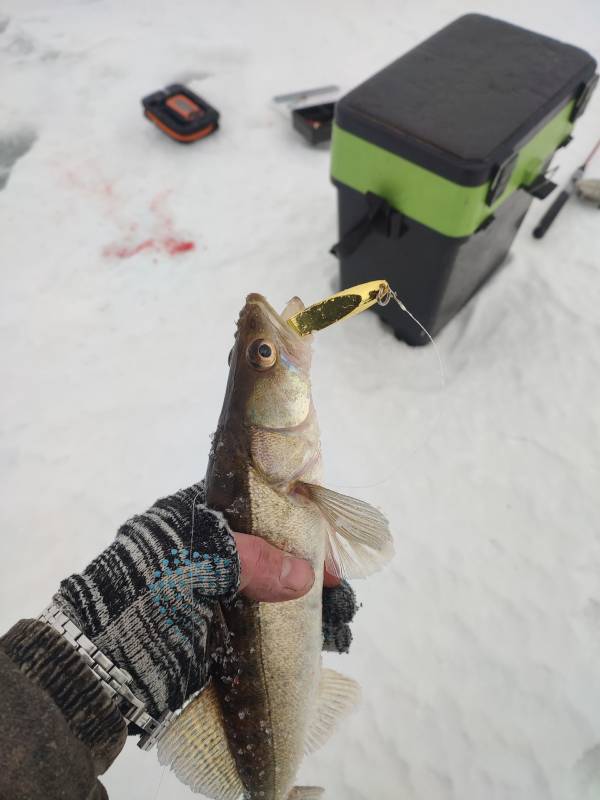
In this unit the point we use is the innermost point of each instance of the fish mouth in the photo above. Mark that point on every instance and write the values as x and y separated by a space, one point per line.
256 302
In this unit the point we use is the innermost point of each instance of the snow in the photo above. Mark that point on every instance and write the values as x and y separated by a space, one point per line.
478 649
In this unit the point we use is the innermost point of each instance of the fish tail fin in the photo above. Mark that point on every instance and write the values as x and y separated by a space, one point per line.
360 541
306 793
196 748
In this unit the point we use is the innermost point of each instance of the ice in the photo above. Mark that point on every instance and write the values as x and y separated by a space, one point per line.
478 650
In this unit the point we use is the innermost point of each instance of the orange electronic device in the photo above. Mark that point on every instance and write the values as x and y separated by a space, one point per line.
181 114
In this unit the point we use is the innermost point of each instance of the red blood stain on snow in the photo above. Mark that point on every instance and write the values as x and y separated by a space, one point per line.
164 240
153 232
174 246
158 226
168 245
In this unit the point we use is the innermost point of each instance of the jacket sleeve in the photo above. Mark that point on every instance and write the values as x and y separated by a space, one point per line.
60 729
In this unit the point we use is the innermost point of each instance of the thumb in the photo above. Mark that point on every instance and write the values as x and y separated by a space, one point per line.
269 574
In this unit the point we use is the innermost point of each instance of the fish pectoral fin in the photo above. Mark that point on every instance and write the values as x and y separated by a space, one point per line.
306 793
338 695
195 747
360 541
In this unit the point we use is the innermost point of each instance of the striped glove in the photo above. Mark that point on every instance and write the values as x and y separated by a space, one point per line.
135 600
148 600
339 608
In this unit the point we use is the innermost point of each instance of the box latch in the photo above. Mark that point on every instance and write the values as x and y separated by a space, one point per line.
380 217
540 187
583 98
500 179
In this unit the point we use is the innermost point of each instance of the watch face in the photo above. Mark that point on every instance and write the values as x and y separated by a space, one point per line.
185 108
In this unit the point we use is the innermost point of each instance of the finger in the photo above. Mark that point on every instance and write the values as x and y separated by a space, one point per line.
330 580
269 574
339 604
336 638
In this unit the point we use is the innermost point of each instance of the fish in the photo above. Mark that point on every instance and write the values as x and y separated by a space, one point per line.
270 701
589 189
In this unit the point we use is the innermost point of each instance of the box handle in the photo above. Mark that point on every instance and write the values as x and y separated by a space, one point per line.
381 217
583 98
501 178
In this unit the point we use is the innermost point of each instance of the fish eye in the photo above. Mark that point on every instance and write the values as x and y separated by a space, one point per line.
262 354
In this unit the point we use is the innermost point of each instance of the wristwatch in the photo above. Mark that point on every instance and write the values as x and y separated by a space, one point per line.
114 679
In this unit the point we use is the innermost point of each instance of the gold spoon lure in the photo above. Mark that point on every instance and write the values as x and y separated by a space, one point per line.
340 306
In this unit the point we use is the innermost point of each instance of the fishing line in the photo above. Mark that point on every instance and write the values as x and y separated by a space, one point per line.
187 681
592 154
196 496
162 775
387 294
385 299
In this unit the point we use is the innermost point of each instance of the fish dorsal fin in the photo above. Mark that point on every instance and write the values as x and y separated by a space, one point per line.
306 793
195 747
360 541
337 697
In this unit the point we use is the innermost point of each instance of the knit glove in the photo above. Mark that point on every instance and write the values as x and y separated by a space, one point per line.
149 599
339 608
135 600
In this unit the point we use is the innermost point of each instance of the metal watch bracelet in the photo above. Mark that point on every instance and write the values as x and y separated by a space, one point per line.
114 679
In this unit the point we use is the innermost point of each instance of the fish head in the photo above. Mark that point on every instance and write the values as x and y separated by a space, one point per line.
269 367
268 422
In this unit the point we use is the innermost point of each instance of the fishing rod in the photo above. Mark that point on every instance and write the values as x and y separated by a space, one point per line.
562 198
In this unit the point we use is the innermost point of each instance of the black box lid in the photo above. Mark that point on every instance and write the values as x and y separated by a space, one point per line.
462 101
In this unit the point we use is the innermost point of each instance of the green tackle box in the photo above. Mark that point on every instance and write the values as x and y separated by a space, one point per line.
437 158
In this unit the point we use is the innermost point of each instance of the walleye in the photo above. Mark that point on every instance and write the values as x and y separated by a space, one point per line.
245 734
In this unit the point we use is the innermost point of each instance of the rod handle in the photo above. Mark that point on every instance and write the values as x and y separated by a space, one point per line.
551 214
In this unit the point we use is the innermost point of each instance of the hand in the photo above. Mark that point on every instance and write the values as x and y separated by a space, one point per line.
149 600
270 575
339 608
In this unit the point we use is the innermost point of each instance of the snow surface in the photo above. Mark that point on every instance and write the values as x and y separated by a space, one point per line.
478 650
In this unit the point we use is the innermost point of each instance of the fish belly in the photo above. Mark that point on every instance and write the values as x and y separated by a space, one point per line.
269 699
